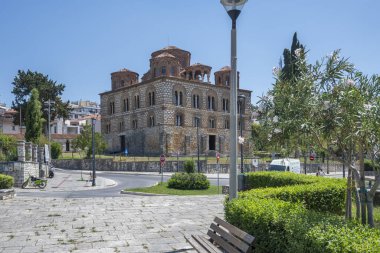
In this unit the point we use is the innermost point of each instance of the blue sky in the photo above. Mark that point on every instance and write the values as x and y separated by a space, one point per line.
80 42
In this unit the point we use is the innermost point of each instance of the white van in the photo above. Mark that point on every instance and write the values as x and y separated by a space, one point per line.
286 164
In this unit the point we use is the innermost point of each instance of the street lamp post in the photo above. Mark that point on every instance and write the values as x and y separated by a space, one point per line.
197 120
93 151
241 102
49 103
233 8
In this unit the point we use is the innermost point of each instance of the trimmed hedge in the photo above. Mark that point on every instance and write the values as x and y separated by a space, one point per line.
276 179
324 196
6 182
189 181
280 226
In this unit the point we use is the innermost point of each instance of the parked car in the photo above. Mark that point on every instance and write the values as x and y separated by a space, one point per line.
285 164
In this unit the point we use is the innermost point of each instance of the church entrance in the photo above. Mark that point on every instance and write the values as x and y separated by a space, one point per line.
122 143
211 142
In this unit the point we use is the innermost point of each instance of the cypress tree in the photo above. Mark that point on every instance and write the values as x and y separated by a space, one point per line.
33 118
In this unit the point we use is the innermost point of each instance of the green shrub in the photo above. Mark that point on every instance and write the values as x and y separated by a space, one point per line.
8 148
276 179
189 166
6 182
188 181
56 150
280 226
327 195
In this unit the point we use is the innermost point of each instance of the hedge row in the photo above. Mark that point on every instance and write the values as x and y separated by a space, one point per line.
6 182
281 226
277 179
189 181
323 197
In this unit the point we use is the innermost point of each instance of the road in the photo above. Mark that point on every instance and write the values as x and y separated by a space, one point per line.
123 181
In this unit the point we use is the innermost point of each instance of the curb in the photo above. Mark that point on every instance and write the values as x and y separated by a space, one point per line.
141 193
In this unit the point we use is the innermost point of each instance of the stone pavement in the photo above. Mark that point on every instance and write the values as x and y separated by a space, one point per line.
64 181
122 224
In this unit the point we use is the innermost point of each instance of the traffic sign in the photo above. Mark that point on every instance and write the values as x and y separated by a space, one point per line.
217 157
311 158
162 158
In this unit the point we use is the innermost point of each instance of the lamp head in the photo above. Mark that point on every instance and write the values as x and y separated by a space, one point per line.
230 5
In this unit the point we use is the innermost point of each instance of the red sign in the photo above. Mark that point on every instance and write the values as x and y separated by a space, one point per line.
162 158
217 157
311 158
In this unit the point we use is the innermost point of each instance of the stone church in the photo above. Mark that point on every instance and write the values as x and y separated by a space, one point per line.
174 108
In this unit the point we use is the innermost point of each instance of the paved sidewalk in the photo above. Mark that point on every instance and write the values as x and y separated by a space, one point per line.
128 224
72 182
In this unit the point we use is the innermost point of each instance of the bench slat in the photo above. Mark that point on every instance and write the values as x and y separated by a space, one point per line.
235 231
206 244
196 245
222 243
230 238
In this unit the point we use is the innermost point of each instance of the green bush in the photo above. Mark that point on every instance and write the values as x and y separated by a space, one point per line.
8 148
189 166
189 181
276 179
56 150
6 182
280 226
326 194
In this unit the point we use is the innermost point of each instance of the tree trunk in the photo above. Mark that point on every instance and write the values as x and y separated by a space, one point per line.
371 223
370 197
349 197
363 190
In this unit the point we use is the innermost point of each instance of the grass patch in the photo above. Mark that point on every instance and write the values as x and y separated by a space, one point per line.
163 189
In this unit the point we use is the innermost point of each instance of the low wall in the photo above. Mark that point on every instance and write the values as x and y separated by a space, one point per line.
20 171
110 165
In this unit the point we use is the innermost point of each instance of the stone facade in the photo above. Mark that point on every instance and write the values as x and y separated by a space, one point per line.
160 114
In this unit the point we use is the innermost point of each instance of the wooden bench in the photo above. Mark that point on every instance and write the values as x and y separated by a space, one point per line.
223 237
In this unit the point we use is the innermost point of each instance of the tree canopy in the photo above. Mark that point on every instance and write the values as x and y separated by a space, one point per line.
336 108
25 82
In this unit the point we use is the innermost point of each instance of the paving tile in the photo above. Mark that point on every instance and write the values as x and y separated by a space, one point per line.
125 224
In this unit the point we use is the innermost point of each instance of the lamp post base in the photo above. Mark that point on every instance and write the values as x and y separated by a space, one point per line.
241 182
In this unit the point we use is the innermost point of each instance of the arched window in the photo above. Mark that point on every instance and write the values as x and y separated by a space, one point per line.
220 80
196 101
179 120
172 71
212 123
134 124
197 122
178 98
121 126
163 71
137 102
112 108
226 105
151 97
125 105
151 122
211 103
226 124
154 72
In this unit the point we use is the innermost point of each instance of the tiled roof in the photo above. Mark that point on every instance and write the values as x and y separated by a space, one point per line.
165 54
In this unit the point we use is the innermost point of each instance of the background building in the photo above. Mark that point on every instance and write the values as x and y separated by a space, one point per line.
160 114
